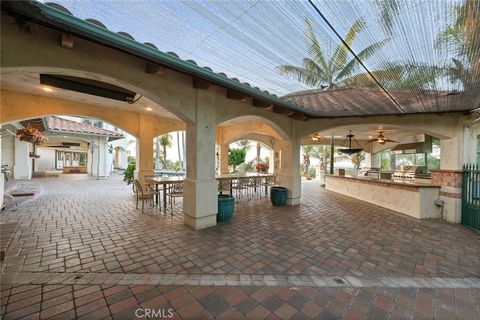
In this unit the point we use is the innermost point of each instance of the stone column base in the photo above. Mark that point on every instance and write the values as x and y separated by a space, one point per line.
200 203
199 223
294 186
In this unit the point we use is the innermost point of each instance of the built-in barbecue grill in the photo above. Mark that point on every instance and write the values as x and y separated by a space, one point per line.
411 172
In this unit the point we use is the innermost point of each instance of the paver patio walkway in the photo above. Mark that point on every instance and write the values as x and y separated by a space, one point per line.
80 226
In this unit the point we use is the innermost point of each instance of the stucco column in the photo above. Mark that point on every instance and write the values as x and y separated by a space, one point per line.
144 158
289 175
100 158
223 158
450 175
23 163
200 187
276 157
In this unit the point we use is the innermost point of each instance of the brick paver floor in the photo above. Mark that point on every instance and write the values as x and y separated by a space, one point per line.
85 235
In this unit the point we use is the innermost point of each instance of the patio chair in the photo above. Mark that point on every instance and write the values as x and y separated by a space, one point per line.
239 187
148 184
253 185
173 192
224 186
143 195
268 183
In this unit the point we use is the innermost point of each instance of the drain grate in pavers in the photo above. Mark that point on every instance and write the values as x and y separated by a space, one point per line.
93 278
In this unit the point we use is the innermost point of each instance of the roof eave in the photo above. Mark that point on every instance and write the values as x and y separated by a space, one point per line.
59 19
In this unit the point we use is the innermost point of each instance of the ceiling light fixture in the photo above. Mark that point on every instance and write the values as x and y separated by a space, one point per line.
317 137
148 109
47 89
350 142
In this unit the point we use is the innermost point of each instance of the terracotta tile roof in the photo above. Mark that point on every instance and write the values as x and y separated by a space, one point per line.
69 126
372 101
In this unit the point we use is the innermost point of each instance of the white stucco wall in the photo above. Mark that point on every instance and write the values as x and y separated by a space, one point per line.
22 168
46 160
8 151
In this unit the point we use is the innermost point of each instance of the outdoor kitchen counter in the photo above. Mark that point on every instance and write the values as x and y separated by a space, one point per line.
414 198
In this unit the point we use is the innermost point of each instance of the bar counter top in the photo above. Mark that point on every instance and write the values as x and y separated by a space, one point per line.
420 183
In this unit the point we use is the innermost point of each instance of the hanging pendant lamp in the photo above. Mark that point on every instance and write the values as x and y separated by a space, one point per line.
350 145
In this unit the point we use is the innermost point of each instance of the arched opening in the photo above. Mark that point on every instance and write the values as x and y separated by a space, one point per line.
384 147
52 145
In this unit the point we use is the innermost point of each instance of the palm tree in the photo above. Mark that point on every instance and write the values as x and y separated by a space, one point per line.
463 39
245 143
322 153
259 148
179 152
165 142
157 153
335 71
307 153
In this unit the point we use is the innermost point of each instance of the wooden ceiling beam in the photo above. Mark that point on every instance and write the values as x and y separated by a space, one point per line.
298 116
155 69
261 104
282 110
235 95
66 40
200 83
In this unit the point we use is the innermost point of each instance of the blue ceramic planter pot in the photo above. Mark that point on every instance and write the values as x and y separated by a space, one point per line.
226 207
278 196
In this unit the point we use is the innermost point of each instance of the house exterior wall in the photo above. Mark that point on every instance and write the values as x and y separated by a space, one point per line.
46 160
8 151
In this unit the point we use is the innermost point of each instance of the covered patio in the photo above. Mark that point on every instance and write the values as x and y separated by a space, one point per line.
104 246
372 242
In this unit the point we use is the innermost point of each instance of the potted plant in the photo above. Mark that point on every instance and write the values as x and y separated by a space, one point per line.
32 135
262 167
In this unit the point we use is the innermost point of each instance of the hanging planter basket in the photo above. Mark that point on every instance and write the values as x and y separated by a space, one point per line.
32 135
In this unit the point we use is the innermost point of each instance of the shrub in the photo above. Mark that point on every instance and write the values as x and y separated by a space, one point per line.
128 175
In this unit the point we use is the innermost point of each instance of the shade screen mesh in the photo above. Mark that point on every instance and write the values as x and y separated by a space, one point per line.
424 53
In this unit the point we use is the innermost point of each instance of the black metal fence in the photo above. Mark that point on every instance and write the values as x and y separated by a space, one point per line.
471 196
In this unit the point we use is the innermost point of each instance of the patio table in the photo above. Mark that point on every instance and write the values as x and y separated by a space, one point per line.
165 181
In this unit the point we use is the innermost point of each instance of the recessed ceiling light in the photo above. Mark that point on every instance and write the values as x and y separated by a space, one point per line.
47 89
370 137
149 109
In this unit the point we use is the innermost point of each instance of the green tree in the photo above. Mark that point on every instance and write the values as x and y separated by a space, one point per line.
236 156
319 70
128 174
165 142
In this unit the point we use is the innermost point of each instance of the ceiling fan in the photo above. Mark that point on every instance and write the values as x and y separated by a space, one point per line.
381 139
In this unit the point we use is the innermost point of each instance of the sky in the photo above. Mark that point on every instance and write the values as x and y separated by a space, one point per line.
249 39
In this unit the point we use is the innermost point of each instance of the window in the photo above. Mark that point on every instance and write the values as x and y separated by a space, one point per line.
83 159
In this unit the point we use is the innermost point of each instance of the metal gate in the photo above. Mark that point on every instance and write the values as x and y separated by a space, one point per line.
471 196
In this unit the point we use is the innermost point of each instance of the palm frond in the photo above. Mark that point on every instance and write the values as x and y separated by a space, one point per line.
315 69
303 75
352 65
339 57
314 47
389 9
